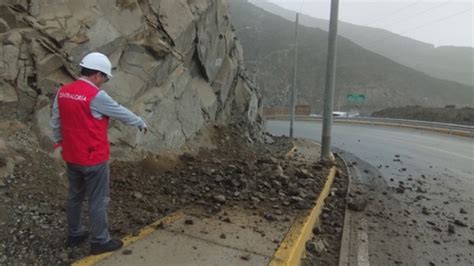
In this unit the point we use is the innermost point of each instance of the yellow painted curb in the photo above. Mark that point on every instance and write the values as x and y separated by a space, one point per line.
292 247
147 230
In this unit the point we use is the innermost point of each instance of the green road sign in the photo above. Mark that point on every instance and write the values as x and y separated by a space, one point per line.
356 98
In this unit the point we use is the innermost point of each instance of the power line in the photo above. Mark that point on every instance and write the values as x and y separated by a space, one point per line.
412 29
405 19
417 14
301 6
427 24
441 19
390 14
367 34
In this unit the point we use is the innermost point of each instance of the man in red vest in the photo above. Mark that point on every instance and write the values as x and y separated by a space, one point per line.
80 119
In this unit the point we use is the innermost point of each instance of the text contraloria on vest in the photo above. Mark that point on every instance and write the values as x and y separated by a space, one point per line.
75 97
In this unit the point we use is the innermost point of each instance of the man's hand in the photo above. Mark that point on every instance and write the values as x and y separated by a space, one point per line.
56 154
57 145
139 138
143 128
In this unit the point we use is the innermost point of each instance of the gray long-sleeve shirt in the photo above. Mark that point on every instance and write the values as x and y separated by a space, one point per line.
102 105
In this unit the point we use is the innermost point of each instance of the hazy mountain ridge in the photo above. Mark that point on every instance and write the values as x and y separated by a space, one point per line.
268 50
446 62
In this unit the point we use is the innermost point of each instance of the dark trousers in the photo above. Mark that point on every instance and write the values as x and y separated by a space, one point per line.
93 182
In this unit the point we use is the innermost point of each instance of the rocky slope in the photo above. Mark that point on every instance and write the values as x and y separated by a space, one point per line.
176 63
268 41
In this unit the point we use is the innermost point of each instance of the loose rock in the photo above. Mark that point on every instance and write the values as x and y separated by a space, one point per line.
315 247
357 203
219 198
451 229
127 252
137 195
459 223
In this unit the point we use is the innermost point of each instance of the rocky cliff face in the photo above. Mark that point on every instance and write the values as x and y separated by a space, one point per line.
176 63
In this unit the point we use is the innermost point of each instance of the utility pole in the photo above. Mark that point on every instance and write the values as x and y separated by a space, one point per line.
293 90
330 82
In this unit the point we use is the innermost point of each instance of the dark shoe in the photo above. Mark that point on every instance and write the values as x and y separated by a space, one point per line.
74 241
112 245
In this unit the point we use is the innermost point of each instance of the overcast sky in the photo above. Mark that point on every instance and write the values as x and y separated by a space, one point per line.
440 22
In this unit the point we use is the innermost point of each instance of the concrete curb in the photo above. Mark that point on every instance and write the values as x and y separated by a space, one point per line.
344 252
292 247
128 240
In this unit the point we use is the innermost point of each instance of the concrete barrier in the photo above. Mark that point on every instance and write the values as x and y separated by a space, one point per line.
452 129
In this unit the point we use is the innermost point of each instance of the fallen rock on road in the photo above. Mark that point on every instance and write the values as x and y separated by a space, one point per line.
357 203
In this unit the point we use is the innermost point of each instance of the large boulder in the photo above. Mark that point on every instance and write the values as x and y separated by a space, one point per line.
177 21
10 55
7 163
41 125
211 44
224 80
7 93
246 100
207 97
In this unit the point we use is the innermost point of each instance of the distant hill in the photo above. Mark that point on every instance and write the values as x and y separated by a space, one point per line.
268 42
445 62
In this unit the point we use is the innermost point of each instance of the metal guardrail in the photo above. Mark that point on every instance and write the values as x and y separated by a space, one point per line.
454 129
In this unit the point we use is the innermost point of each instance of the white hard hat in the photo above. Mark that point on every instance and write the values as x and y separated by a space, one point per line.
97 61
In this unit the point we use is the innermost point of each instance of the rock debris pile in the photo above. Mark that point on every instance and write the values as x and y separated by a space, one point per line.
324 247
255 176
235 175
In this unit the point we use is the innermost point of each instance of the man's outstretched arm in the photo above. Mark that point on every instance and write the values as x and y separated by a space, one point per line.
103 104
55 122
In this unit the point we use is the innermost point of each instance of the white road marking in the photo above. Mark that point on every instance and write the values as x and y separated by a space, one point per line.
363 244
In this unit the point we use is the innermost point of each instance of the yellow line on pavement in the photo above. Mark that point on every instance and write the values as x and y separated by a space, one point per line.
147 230
292 247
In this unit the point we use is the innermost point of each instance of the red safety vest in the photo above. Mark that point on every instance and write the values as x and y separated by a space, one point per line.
84 137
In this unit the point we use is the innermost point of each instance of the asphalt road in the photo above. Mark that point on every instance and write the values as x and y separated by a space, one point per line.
420 187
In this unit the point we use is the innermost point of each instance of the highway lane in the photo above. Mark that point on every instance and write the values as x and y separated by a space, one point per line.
378 145
414 226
